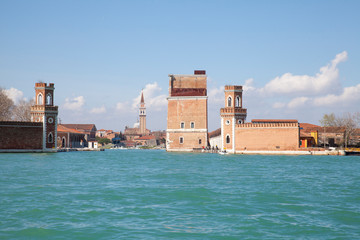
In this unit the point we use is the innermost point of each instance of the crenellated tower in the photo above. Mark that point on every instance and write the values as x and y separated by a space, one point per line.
233 113
142 115
44 111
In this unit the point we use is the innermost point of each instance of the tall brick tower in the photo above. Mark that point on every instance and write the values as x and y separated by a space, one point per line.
142 115
44 111
187 121
233 113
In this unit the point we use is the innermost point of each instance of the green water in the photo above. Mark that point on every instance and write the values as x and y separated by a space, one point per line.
146 194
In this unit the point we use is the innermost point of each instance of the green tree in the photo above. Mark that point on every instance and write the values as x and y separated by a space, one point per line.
103 141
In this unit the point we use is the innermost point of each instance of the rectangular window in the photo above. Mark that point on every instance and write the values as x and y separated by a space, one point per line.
199 141
192 125
181 140
182 125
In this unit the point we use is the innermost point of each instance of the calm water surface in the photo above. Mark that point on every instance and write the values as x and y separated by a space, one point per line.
152 194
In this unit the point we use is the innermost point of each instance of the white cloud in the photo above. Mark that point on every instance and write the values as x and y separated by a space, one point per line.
248 86
74 103
327 80
216 95
98 110
122 106
297 102
349 96
153 98
279 105
14 94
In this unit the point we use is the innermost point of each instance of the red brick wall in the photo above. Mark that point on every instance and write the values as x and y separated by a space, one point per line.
21 135
269 137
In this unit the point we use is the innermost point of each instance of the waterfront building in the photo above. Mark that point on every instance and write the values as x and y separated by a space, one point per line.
187 119
259 135
69 138
89 131
39 135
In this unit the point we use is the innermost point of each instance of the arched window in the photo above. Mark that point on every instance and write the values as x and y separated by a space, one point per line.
237 104
229 101
63 142
199 141
227 139
50 138
40 99
48 99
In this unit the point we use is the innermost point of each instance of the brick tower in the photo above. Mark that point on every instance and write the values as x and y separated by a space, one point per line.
187 122
44 111
142 115
233 113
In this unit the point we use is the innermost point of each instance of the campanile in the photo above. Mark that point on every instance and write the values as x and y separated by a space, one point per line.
142 115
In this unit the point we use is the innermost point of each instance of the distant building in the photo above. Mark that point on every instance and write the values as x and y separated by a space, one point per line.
89 131
187 120
70 138
142 115
139 128
149 141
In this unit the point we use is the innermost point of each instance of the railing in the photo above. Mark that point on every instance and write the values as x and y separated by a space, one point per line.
42 108
233 110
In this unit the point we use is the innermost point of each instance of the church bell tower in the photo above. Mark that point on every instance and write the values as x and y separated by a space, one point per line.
142 115
44 111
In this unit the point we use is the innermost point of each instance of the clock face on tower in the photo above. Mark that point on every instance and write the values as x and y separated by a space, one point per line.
50 120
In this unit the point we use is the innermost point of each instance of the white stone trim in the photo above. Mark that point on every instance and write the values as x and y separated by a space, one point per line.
186 98
44 132
233 134
180 130
222 134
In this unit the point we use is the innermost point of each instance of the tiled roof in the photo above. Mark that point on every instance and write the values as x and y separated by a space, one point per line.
215 133
85 127
61 128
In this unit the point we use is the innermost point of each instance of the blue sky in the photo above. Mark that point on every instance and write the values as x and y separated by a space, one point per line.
296 59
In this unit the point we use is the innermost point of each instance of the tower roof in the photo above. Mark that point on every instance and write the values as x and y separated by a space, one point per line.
142 97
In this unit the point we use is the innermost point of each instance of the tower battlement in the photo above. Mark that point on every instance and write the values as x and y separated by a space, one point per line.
44 85
233 87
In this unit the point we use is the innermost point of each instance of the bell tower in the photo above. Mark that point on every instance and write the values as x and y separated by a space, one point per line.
44 111
232 114
142 115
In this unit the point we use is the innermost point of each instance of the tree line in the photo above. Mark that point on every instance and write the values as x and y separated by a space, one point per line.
348 121
9 111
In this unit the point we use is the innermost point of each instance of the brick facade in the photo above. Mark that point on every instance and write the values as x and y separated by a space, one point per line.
187 122
267 137
21 135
